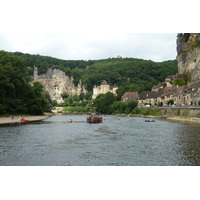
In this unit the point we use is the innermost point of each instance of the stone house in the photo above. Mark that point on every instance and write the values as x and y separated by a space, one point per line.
142 100
186 94
128 96
103 88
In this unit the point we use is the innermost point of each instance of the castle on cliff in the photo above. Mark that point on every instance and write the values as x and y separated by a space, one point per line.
56 82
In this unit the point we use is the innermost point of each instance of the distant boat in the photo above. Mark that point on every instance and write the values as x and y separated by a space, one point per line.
24 120
94 119
149 120
69 121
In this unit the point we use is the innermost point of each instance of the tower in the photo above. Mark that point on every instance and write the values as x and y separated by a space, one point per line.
35 73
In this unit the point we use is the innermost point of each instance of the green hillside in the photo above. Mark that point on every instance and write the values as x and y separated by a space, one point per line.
128 73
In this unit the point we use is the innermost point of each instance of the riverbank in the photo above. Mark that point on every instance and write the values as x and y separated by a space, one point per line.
9 120
187 119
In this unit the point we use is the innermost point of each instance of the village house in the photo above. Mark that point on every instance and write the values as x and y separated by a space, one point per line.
166 91
128 96
103 88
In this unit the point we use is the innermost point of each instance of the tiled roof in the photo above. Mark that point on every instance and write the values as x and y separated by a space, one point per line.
104 83
143 95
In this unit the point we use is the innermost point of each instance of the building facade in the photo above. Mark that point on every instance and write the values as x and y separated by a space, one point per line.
103 88
167 91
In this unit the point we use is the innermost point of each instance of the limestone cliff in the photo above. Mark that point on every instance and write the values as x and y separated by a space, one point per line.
56 83
188 55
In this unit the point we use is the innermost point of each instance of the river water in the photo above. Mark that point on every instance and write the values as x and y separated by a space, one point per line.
124 142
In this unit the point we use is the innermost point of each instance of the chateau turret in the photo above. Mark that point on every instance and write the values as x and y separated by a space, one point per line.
188 55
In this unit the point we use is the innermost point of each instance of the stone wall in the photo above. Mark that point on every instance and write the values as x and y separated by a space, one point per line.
171 112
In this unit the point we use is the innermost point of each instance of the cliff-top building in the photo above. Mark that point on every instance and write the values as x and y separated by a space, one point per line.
103 88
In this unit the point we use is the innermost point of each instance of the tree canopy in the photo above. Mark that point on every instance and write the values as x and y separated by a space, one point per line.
130 74
16 94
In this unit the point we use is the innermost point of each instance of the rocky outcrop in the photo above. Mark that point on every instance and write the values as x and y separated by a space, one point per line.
56 83
188 55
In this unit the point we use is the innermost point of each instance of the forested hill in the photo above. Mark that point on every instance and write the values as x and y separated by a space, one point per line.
131 74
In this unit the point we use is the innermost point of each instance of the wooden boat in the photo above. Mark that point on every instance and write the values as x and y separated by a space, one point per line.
94 119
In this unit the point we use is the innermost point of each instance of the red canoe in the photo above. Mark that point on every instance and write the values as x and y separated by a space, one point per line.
24 120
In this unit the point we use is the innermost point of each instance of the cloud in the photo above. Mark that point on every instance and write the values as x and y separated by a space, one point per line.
76 46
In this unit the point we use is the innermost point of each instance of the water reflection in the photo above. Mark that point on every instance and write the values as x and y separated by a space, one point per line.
128 141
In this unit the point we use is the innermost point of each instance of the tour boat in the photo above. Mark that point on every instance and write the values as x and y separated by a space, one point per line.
94 119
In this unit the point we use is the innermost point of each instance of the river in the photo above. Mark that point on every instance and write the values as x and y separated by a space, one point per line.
125 142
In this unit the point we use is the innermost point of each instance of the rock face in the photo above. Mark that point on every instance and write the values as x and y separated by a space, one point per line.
188 55
56 83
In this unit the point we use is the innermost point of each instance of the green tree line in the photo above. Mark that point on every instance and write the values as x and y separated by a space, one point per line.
17 96
129 74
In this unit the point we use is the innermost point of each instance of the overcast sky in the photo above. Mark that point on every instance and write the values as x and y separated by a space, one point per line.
88 46
94 29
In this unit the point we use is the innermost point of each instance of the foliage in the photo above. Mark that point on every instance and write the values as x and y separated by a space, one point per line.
77 109
150 111
184 37
107 104
16 94
180 82
129 74
171 102
103 102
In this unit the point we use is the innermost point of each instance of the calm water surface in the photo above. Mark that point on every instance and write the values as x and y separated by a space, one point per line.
124 142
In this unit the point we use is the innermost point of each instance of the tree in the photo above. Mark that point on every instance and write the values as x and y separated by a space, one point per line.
16 94
133 88
132 104
103 102
171 102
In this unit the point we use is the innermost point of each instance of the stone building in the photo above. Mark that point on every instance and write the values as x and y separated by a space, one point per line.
128 96
186 94
56 83
103 88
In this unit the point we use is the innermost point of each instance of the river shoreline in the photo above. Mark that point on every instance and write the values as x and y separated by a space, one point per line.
16 120
186 119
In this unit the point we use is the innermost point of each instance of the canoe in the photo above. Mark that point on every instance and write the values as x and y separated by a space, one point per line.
24 120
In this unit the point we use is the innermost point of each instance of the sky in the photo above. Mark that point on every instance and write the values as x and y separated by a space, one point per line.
93 46
94 29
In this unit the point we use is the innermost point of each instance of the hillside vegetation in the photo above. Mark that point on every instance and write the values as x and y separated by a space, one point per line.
130 74
17 96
